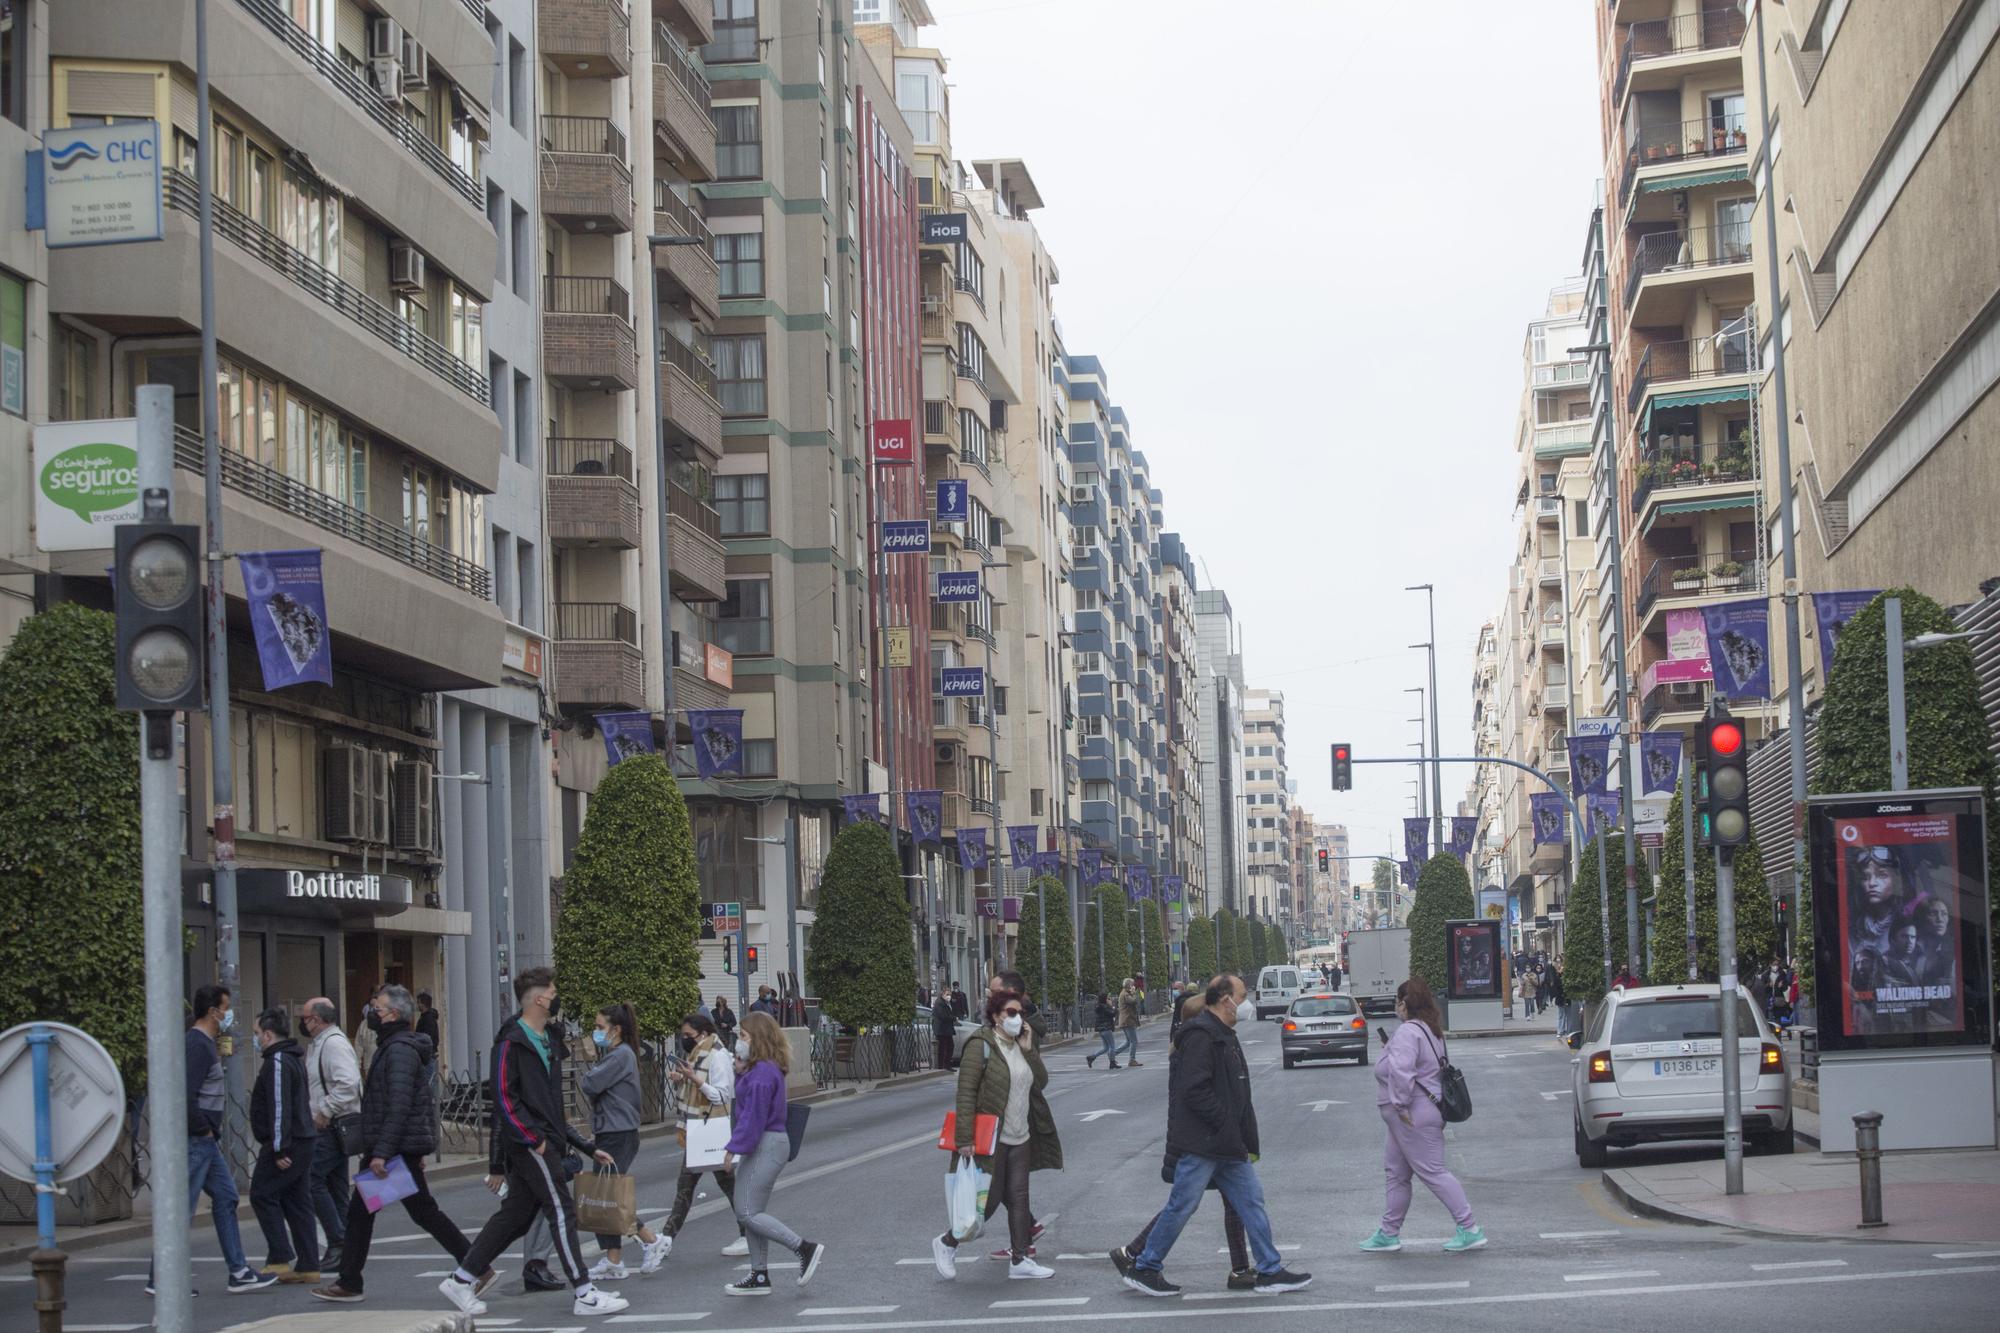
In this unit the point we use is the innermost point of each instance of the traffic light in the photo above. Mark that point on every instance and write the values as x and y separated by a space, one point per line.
1725 788
1323 860
1784 921
1343 767
750 960
156 571
729 955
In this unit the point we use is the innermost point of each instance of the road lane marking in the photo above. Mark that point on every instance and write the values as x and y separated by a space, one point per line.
1423 1286
683 1318
849 1309
1037 1305
1578 1235
1225 1249
1969 1254
1321 1105
102 1328
1092 1117
1221 1295
908 1263
1080 1258
1799 1263
1611 1277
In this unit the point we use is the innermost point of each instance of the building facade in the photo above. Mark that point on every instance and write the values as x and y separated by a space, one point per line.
1267 797
1220 704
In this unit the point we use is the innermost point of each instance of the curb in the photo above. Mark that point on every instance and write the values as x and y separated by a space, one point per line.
1480 1033
1645 1203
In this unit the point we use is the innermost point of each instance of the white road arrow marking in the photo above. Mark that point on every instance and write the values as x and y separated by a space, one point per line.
1088 1116
1322 1105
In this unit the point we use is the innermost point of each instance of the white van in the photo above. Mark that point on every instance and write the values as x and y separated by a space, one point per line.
1277 986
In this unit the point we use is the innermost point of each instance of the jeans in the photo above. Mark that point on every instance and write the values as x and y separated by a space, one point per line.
1131 1046
282 1198
329 1186
1110 1046
1232 1232
209 1170
756 1176
423 1210
1240 1189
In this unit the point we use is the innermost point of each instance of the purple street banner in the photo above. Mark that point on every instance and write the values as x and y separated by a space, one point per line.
1833 610
925 811
972 852
1739 648
1416 840
1047 864
1090 867
1546 809
718 741
625 734
288 612
1138 882
1171 888
1464 828
1601 814
1659 762
867 805
1589 765
1021 843
1409 872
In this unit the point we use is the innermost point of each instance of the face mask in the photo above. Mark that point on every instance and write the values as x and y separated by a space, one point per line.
227 1022
374 1021
602 1038
688 1043
1011 1025
743 1051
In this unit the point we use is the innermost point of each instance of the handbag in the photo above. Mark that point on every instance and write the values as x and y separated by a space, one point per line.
1454 1099
607 1203
796 1116
707 1142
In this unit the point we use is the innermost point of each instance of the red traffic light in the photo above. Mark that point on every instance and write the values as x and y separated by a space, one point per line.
1340 752
1725 738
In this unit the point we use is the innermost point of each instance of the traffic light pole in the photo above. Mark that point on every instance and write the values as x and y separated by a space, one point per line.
1687 862
1732 1071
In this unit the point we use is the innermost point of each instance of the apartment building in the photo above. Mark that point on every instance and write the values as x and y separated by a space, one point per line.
1187 825
359 414
1268 801
1303 902
1220 736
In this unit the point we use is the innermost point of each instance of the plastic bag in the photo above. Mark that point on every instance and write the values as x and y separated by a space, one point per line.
965 1201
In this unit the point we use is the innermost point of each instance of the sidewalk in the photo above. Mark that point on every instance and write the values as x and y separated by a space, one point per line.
1934 1197
1512 1024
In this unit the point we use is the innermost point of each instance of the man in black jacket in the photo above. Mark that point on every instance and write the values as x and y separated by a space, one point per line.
280 1183
398 1120
1212 1125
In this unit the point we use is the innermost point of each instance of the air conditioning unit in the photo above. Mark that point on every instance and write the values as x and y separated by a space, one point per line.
947 754
1684 689
385 76
385 39
406 267
416 63
345 814
411 821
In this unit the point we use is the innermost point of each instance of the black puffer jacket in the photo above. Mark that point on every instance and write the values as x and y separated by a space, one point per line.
398 1103
1208 1088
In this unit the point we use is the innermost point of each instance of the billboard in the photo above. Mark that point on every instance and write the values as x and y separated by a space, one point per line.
1472 960
1900 925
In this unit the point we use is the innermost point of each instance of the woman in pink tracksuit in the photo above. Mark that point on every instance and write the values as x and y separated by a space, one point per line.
1406 1092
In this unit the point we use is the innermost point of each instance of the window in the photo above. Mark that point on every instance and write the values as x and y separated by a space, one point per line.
735 32
743 618
13 64
464 331
739 152
739 374
740 257
70 375
726 859
1097 791
744 503
13 345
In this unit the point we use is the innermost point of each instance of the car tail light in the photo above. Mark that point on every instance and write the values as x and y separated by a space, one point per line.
1358 1024
1290 1026
1600 1068
1773 1061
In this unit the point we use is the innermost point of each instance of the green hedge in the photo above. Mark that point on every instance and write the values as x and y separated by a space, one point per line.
1756 927
862 961
1443 894
1159 964
1201 949
1583 944
1228 959
1107 973
1249 954
1062 943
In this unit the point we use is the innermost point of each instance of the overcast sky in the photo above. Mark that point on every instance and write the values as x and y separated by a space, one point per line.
1306 237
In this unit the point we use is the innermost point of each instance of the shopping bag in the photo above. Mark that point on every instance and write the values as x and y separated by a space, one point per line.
965 1189
707 1142
985 1133
379 1192
607 1203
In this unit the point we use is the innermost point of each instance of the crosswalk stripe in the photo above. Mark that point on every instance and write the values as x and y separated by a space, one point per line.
1042 1304
1611 1277
1423 1286
1578 1235
1799 1263
849 1309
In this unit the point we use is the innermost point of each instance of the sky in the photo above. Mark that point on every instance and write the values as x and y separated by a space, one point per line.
1306 238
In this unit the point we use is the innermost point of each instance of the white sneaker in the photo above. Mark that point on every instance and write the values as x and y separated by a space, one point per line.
945 1257
606 1271
1028 1268
656 1254
736 1249
462 1295
598 1302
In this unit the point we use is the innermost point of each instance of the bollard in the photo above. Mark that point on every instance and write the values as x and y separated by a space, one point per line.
1868 1151
49 1297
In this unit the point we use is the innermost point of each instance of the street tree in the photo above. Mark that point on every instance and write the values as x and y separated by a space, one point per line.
1583 945
1279 950
1201 949
1249 952
1105 971
1158 965
1227 958
1756 928
1443 894
862 961
1062 943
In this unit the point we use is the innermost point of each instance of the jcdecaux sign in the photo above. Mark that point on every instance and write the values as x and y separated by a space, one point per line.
86 483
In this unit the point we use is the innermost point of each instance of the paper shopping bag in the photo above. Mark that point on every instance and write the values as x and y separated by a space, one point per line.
707 1142
607 1204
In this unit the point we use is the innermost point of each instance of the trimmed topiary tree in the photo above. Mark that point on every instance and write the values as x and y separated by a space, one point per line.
1062 943
862 960
1279 951
72 946
1247 951
1583 945
1158 964
1227 959
1104 973
1443 894
631 903
1201 949
1946 727
1756 931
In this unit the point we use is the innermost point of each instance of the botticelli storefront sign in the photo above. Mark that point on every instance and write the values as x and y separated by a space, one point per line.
323 893
86 483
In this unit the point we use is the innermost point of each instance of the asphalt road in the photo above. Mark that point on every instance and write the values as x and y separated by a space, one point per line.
869 1185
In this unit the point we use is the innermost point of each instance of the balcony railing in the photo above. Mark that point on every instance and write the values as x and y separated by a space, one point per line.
1700 576
583 134
1675 697
1686 250
940 419
379 109
568 294
682 215
1713 136
1708 30
1671 466
1691 359
596 622
687 511
669 52
272 487
184 196
576 456
688 361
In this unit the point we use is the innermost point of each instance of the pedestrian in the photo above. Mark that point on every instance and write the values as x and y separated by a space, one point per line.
398 1120
528 1122
725 1021
1559 996
1106 1019
281 1122
1545 984
364 1039
759 1147
959 1004
333 1082
538 1247
704 1085
1625 980
612 1085
1183 1011
1407 1088
766 1002
944 1027
1212 1124
208 1169
1002 1075
1012 982
1333 976
1242 1276
1128 1021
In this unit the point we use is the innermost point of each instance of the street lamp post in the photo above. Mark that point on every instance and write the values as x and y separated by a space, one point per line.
1899 728
1423 707
1437 779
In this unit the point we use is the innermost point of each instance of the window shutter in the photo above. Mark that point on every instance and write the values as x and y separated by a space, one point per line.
186 108
112 92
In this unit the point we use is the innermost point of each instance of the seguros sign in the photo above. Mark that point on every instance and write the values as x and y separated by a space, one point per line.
86 483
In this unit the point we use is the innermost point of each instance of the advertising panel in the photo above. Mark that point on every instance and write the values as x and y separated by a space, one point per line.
1472 960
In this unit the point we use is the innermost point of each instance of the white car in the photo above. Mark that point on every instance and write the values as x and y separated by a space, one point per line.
1649 1068
1277 986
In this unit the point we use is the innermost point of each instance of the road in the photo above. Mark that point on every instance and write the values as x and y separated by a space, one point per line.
868 1184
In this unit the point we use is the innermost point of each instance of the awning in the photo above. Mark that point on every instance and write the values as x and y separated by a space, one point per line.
1701 506
1695 398
1672 184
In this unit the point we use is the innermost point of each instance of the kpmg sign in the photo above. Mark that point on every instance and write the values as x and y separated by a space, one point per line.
944 228
961 682
100 184
323 893
957 585
908 536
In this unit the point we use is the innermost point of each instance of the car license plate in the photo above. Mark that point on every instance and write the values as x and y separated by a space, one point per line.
1690 1067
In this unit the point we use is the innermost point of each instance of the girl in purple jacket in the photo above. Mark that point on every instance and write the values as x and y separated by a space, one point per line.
758 1149
1406 1093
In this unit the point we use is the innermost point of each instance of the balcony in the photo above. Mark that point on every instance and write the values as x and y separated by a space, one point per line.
1660 47
687 393
936 324
597 658
1562 439
587 337
692 687
1549 570
1548 509
1688 697
1664 153
947 620
1664 364
941 424
1678 467
694 547
694 20
681 119
1553 636
1699 577
593 501
586 181
1555 699
690 267
586 39
1666 265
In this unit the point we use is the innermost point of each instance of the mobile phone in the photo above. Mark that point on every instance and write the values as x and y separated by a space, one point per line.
1383 1033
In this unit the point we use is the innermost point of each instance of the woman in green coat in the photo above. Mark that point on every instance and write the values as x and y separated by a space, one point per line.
1001 1074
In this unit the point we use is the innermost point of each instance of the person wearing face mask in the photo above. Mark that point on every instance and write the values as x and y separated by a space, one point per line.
1001 1074
612 1085
766 1002
759 1147
704 1086
281 1121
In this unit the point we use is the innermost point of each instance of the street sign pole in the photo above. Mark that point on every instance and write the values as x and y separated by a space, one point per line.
48 1262
1732 1072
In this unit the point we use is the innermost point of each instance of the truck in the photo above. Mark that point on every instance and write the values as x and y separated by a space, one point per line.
1378 961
